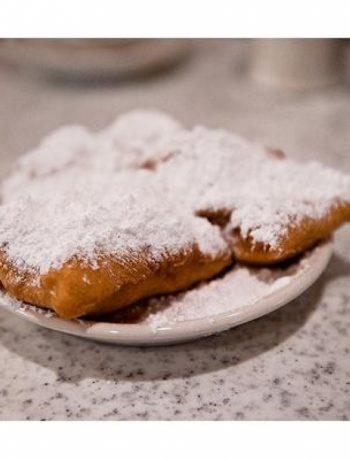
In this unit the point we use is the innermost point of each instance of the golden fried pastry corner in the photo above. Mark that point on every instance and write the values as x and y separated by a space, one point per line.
298 238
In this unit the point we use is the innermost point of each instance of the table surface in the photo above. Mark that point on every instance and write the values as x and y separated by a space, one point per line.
291 364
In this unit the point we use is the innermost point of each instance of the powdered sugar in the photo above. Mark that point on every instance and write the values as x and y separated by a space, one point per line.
82 194
127 143
217 170
16 305
120 215
76 195
239 288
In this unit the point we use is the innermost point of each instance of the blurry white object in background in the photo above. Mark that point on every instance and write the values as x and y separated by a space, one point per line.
297 63
95 58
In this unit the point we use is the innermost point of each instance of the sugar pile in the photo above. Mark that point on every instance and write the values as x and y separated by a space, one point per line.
126 143
121 216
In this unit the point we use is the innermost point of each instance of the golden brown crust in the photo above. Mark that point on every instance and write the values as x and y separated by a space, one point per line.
298 239
78 290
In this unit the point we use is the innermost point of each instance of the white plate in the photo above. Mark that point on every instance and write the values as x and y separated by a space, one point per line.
306 272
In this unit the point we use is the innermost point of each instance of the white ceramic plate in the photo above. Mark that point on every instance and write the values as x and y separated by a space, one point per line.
306 272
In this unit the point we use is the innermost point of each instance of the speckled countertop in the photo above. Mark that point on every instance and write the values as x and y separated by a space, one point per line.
292 364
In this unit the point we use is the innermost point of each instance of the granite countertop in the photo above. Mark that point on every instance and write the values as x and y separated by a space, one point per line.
291 364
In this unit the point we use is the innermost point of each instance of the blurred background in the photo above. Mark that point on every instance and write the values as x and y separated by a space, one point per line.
290 94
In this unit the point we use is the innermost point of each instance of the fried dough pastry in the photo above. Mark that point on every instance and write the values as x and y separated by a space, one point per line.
93 223
269 208
78 289
299 236
87 249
